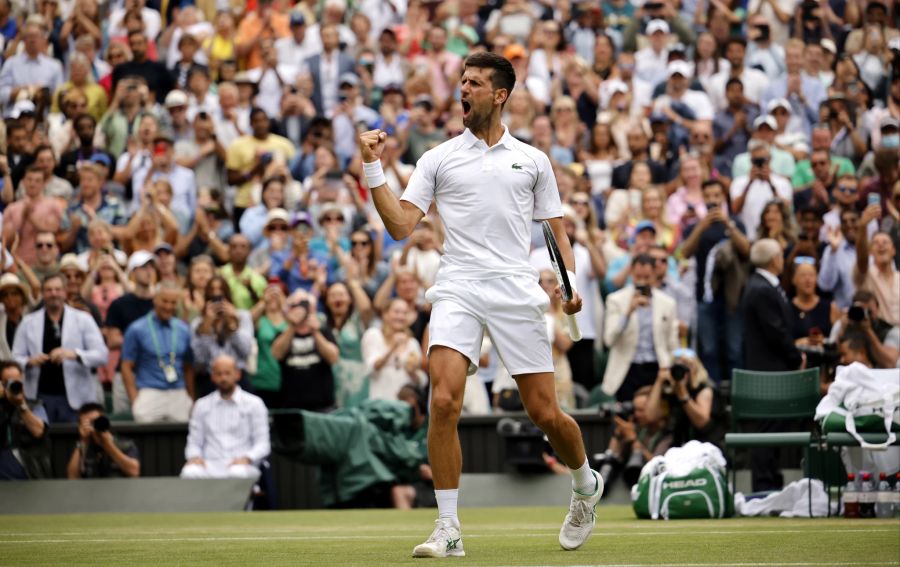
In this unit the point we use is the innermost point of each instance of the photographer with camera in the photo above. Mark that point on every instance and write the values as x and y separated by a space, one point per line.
306 351
687 397
24 446
641 332
98 453
862 321
751 193
637 437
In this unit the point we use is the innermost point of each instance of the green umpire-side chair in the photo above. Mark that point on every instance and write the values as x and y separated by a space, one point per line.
763 396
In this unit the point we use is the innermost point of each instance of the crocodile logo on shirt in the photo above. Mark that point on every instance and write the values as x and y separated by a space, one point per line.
517 166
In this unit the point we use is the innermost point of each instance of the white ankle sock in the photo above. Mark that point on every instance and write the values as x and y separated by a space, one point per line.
446 502
583 480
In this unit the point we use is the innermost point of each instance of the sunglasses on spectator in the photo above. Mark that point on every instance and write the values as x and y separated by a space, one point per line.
847 189
356 243
809 260
45 244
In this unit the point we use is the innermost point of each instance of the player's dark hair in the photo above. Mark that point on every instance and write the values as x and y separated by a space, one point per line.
503 76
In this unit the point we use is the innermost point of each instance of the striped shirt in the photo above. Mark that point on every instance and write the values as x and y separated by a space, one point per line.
223 430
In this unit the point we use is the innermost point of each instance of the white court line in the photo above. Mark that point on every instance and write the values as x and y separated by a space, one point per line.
776 564
399 536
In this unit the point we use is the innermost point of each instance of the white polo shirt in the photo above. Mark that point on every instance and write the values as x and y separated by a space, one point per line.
487 199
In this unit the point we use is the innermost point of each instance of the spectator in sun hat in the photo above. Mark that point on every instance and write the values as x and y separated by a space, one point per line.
75 271
174 121
332 235
275 238
14 300
789 129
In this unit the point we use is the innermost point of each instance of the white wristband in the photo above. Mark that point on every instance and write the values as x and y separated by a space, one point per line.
374 174
572 280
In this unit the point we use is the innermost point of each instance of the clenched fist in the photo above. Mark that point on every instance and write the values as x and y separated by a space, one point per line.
371 145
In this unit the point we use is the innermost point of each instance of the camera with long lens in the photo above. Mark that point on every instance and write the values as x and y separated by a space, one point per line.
101 424
15 388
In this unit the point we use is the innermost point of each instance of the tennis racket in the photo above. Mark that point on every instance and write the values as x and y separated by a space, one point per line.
559 266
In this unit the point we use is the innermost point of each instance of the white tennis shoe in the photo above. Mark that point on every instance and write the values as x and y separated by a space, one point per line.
445 541
579 522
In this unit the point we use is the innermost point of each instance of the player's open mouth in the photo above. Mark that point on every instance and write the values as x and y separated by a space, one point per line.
466 106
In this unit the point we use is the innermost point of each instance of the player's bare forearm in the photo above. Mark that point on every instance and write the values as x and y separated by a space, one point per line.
399 217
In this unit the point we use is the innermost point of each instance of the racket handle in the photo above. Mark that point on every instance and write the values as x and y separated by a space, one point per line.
574 331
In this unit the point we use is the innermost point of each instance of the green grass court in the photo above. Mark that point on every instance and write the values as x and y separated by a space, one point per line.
496 536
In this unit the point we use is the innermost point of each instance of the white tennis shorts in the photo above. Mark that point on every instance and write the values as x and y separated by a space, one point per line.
511 308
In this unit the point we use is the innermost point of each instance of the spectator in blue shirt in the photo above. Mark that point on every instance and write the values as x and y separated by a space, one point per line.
157 363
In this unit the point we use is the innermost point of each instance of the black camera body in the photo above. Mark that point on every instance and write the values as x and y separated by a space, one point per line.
101 424
15 387
679 371
857 313
759 162
643 290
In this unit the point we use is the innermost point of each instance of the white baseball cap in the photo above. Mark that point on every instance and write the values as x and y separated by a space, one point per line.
779 103
680 67
176 98
139 259
657 25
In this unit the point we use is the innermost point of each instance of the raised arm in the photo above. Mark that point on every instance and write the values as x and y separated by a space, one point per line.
400 217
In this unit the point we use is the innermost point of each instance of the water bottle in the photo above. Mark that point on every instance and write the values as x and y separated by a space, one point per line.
897 496
866 496
851 498
884 498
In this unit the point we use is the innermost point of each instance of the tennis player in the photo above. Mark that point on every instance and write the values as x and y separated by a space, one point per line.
488 188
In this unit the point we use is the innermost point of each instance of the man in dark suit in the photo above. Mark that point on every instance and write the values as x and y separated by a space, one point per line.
768 344
326 69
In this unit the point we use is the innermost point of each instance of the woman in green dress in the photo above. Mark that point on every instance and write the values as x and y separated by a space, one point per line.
269 319
348 313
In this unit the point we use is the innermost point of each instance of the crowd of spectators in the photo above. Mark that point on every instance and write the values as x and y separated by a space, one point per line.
181 185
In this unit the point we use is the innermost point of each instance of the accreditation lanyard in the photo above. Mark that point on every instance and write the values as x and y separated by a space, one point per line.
165 367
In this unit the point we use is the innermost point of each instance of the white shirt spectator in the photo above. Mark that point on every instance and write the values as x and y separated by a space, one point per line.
388 72
292 53
200 31
755 83
651 66
221 431
759 193
271 86
697 101
313 40
385 383
151 18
